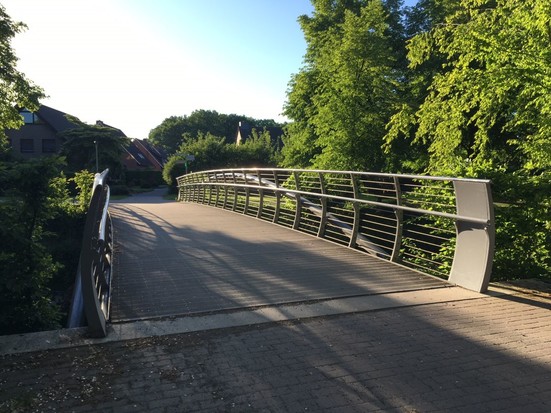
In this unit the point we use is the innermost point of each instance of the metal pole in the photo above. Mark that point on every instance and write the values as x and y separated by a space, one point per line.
97 159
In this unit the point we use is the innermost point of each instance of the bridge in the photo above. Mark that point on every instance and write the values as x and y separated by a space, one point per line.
318 235
267 291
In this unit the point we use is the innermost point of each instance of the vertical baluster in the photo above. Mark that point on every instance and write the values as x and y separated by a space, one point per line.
395 256
357 211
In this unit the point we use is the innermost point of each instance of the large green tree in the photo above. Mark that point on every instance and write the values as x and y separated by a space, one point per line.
345 94
404 154
82 144
16 91
170 133
26 266
490 101
487 113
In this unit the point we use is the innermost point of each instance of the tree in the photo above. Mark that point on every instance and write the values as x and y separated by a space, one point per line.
171 133
404 154
33 198
258 151
16 91
487 113
347 91
492 99
80 145
210 152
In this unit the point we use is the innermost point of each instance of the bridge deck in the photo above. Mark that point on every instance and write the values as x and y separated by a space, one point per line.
175 259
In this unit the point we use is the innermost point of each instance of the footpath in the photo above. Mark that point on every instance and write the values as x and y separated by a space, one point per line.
483 353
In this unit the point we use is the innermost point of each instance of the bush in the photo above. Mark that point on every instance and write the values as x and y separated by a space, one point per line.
144 179
34 196
40 239
174 168
119 190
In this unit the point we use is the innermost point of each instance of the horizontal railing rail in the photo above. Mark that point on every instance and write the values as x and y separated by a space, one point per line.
93 285
439 226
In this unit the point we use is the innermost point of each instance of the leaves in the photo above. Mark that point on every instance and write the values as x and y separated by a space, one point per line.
16 91
345 95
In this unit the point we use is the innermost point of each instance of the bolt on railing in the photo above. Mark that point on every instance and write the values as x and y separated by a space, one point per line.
439 226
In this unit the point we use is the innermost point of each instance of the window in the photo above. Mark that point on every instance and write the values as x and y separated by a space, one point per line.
29 118
26 145
48 146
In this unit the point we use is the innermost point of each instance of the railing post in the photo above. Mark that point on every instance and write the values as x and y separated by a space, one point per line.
226 188
278 199
357 212
399 214
474 248
260 195
298 205
323 202
235 192
217 199
247 194
207 180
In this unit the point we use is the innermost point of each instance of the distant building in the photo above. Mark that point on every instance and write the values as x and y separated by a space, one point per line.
140 155
39 135
245 130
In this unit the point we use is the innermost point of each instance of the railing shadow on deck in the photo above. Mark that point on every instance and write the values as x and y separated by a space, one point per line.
168 270
440 226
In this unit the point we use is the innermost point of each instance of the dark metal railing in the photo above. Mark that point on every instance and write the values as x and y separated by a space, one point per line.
436 225
91 299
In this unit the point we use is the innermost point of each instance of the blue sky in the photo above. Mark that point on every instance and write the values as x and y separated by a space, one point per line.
133 63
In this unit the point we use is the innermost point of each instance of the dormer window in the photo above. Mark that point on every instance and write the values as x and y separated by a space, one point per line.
29 118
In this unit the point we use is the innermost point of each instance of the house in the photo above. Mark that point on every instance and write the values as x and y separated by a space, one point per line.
39 135
245 130
140 155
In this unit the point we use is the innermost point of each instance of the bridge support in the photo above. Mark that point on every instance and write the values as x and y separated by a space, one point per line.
474 249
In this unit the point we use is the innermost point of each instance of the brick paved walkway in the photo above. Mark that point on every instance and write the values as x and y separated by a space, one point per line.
480 355
463 353
176 258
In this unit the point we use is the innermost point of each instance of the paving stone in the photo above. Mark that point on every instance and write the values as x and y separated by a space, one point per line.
349 367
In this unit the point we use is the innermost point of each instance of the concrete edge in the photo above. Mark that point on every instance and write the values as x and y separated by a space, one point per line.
65 338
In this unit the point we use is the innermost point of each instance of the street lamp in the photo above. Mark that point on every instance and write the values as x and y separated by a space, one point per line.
97 159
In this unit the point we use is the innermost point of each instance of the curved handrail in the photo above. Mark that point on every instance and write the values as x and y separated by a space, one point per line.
94 271
440 226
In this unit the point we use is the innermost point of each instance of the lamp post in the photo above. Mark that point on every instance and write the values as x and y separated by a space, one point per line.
97 160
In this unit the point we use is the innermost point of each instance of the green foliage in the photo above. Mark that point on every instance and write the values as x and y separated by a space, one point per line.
174 167
40 237
144 179
83 181
27 267
16 91
490 101
211 152
171 133
345 95
81 143
473 102
488 114
523 225
257 151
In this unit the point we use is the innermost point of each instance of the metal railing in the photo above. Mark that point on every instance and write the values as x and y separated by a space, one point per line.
436 225
91 299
